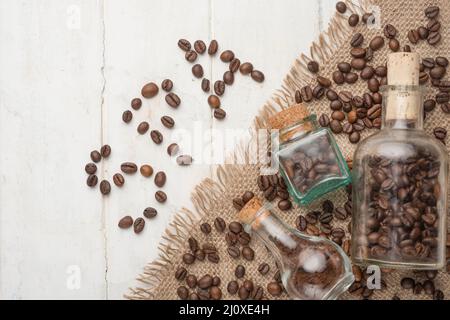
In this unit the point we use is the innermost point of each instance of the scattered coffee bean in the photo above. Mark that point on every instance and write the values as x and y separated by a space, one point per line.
205 228
214 101
184 44
150 212
239 272
190 56
228 78
197 70
234 65
172 149
205 85
257 75
212 48
173 100
219 87
438 295
274 289
138 225
440 133
232 287
149 90
353 20
118 180
376 43
324 120
126 222
136 103
128 167
432 12
127 116
341 7
167 122
191 281
335 126
180 274
143 127
167 85
390 31
234 252
90 168
160 196
246 68
146 170
199 46
357 40
313 66
182 292
160 179
248 253
394 45
156 136
227 56
219 224
92 180
413 36
96 156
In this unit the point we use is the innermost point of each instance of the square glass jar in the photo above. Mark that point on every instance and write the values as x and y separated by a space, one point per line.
309 160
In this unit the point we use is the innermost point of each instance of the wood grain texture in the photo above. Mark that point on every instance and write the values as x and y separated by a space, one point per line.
69 70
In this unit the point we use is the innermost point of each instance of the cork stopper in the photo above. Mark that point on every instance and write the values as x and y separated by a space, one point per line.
403 69
288 116
251 213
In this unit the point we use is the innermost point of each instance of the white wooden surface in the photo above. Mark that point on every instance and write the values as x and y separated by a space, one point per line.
68 70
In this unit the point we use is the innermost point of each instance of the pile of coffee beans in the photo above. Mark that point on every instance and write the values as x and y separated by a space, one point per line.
402 215
91 169
273 187
219 86
308 164
424 285
209 287
352 113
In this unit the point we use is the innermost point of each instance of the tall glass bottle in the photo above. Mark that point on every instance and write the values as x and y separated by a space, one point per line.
400 181
311 268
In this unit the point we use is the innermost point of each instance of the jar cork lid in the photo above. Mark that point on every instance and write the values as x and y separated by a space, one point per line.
251 214
289 116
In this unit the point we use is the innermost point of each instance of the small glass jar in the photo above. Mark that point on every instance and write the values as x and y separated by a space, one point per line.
400 182
311 268
309 159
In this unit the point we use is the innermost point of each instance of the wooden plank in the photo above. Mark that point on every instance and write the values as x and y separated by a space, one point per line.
50 120
141 46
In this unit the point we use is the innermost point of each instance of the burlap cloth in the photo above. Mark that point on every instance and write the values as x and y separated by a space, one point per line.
212 198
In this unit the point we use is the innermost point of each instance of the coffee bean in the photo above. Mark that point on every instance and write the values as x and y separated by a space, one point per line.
341 7
219 87
136 103
232 287
234 252
381 71
324 82
191 281
335 126
243 293
441 61
127 116
432 12
126 222
423 77
173 100
306 93
214 101
340 213
219 224
344 67
149 90
128 167
257 75
445 107
205 85
431 274
156 136
205 282
239 272
193 244
167 85
433 26
357 40
143 127
150 212
215 293
440 133
92 180
167 122
219 114
184 160
235 227
180 273
353 20
331 95
160 179
338 115
90 168
274 289
246 68
324 120
347 128
197 70
248 253
199 46
96 156
434 38
247 196
172 149
313 66
394 45
336 105
184 44
413 36
238 203
234 65
390 31
373 85
423 32
442 97
190 56
438 295
354 137
138 225
325 217
227 56
351 77
160 196
338 77
318 92
212 48
428 287
369 54
146 170
118 180
358 63
367 73
376 43
182 292
284 205
444 86
205 228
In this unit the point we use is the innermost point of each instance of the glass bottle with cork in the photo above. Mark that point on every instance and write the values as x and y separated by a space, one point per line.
400 181
309 159
311 268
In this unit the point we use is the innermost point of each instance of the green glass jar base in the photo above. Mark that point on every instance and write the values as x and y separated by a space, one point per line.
319 190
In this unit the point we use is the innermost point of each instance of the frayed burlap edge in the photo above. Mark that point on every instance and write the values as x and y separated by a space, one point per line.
210 189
